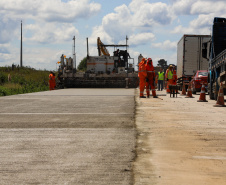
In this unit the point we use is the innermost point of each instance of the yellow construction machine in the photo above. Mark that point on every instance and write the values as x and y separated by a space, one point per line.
103 71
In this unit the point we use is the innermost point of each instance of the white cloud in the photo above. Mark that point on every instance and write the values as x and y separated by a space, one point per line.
208 7
98 31
166 45
196 7
119 24
182 7
49 10
140 16
51 19
201 25
140 39
46 33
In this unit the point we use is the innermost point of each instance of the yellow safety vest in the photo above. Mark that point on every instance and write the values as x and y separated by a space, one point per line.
161 76
170 74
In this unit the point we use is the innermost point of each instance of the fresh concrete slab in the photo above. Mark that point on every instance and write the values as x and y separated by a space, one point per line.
69 136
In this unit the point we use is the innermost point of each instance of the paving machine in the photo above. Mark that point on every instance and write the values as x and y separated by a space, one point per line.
103 71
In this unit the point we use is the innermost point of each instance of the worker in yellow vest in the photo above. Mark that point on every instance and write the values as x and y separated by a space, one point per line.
161 79
169 78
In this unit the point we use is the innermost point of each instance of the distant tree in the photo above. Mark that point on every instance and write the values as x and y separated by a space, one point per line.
83 64
162 63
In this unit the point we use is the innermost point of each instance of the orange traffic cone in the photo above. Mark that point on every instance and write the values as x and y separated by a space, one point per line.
183 93
220 98
202 97
189 93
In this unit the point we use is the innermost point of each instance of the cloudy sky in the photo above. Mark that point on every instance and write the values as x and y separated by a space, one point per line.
153 27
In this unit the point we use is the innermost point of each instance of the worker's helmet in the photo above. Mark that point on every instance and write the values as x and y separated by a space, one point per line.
144 60
149 61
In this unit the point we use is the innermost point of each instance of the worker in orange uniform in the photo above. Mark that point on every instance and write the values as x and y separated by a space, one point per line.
169 78
174 77
51 81
150 81
142 74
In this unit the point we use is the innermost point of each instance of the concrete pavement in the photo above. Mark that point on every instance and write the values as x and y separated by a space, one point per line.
70 136
88 136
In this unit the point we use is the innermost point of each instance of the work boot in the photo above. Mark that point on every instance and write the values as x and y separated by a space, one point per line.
148 96
155 96
142 96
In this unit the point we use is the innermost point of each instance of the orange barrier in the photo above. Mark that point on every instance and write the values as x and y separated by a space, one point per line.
220 98
189 93
202 97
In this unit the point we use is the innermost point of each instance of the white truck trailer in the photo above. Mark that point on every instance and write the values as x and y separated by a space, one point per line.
189 56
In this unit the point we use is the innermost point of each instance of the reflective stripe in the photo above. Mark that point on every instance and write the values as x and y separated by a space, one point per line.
203 92
142 71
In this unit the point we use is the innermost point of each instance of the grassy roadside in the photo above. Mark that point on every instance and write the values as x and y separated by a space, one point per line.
22 80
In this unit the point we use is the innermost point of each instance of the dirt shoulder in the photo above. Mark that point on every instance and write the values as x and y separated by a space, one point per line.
180 141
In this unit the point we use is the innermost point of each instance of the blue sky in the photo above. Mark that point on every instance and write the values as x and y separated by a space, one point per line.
153 27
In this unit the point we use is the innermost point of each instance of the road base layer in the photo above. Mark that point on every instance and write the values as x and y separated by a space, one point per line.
180 141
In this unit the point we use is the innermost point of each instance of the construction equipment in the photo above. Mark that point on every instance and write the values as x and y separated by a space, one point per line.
103 71
215 52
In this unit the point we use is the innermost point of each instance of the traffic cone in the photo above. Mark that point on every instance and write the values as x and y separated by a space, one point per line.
189 93
202 97
220 98
183 93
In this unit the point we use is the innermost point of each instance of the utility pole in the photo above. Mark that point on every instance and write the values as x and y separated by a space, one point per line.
21 49
127 65
74 55
126 41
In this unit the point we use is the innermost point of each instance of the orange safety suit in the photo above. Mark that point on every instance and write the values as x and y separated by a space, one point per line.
150 78
51 81
169 76
142 74
174 77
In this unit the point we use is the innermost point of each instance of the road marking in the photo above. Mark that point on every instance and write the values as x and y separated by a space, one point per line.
36 113
210 157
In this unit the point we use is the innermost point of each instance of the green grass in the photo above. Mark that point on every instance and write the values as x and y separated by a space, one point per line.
23 80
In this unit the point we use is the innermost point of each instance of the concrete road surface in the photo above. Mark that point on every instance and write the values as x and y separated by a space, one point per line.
88 136
180 142
70 136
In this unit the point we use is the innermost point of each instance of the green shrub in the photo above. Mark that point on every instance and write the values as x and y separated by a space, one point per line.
4 91
3 78
23 80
